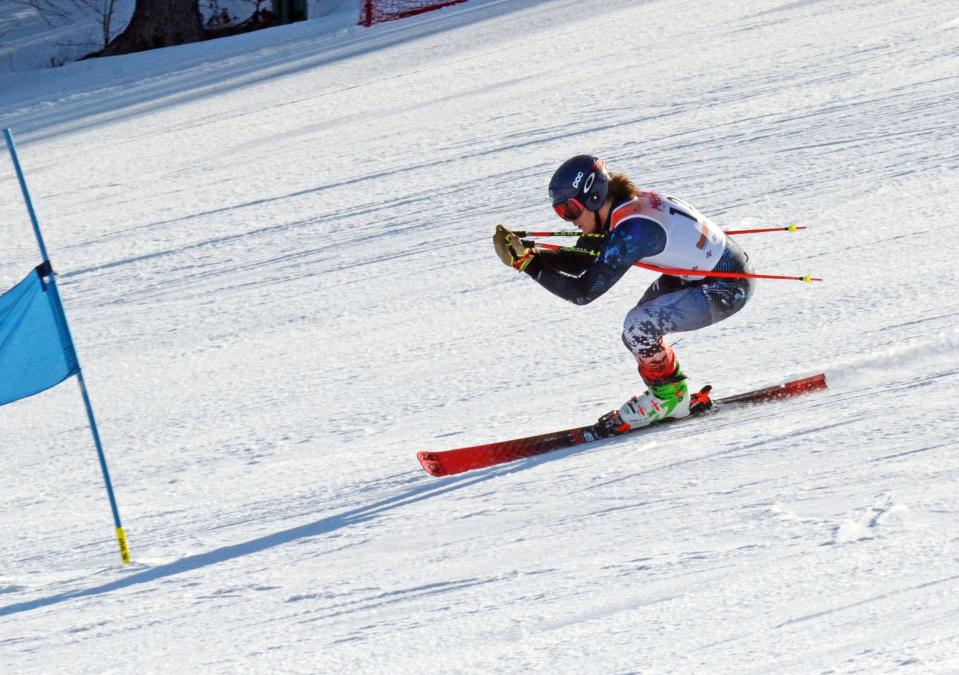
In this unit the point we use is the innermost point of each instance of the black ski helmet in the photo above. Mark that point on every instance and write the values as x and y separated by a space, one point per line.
583 178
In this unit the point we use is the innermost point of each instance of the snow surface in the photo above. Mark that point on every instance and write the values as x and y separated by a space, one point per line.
275 255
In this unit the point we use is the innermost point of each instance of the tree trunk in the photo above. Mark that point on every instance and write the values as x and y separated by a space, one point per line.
159 23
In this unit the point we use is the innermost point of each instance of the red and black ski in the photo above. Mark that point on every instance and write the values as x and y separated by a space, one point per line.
449 462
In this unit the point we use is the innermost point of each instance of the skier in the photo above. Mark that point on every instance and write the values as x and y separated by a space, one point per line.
622 225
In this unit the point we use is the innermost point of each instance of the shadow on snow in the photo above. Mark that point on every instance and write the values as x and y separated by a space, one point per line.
424 489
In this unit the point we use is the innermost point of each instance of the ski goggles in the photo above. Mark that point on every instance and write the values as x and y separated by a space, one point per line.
568 209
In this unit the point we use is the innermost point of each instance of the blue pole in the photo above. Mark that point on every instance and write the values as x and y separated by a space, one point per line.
121 535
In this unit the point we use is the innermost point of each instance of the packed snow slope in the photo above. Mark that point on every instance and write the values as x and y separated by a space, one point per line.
275 254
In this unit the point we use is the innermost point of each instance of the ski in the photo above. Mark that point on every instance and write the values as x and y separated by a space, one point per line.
449 462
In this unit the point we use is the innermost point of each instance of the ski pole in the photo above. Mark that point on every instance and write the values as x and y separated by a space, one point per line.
681 272
788 228
523 233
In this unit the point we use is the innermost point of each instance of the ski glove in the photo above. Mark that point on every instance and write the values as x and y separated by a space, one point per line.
511 249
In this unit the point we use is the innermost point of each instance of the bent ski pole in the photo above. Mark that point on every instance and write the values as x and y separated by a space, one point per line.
681 272
789 228
577 233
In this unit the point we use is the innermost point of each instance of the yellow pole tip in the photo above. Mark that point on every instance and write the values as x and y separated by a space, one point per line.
124 547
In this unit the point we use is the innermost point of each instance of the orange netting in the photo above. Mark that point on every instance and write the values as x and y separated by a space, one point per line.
375 11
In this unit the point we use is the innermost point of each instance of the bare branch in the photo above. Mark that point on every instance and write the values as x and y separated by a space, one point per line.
49 10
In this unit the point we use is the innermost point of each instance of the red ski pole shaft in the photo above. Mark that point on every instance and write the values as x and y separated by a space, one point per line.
523 233
788 228
698 273
725 275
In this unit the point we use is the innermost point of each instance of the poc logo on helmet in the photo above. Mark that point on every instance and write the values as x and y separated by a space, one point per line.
578 178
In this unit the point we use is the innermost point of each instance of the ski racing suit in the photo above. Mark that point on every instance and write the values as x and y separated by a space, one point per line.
666 232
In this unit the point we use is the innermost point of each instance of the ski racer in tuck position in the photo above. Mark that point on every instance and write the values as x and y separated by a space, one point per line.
622 225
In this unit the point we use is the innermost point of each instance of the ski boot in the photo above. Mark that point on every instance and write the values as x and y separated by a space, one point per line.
667 397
